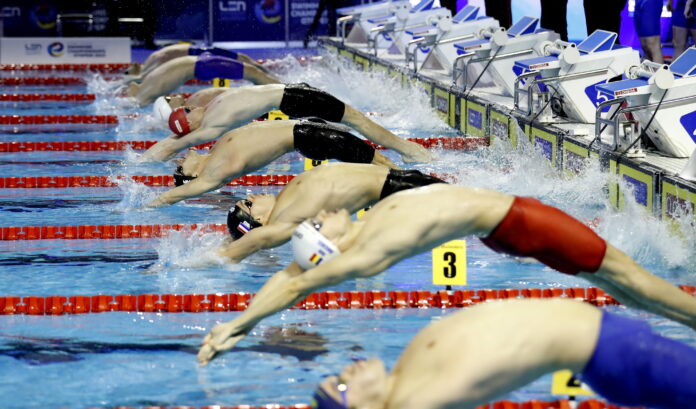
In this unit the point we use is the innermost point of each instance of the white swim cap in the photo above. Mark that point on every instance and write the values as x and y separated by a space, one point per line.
161 109
311 248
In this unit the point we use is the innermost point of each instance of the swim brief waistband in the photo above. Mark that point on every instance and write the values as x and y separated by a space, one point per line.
196 50
326 141
398 180
301 100
209 66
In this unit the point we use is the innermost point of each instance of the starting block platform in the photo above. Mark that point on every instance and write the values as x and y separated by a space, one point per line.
654 178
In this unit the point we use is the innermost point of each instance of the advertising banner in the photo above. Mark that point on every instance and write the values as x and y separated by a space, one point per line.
64 50
249 20
301 16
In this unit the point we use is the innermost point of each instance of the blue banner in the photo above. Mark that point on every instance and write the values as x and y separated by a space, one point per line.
249 20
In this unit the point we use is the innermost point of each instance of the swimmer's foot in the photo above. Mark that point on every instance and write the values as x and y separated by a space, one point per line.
417 154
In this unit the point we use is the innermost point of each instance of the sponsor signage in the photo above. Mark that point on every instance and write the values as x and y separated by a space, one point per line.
64 50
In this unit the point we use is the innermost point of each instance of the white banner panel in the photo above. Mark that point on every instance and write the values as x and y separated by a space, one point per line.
64 50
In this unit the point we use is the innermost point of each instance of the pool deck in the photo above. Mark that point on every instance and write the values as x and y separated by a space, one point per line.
568 147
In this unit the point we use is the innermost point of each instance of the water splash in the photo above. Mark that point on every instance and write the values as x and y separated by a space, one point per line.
181 252
135 195
374 91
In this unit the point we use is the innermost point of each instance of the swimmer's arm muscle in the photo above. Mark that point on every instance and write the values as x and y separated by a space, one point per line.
171 145
264 237
193 188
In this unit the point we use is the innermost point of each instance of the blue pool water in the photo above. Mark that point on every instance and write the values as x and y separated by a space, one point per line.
142 359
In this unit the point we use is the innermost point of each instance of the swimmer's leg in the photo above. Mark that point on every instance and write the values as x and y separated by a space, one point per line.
258 76
632 285
410 151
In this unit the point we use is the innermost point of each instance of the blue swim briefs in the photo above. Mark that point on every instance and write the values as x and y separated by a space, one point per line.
646 17
632 366
209 66
195 50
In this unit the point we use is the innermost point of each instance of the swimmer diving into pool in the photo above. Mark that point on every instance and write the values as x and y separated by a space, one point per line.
168 76
170 52
266 221
249 148
237 106
164 105
463 361
416 220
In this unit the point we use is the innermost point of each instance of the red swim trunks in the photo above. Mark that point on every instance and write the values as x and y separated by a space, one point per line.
533 229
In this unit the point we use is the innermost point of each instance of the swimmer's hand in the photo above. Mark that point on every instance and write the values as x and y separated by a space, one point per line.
222 338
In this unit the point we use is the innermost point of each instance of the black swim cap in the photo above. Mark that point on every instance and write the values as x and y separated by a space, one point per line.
239 222
180 178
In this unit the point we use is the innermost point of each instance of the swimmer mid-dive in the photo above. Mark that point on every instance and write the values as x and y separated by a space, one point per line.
416 220
165 105
168 76
237 106
137 72
266 221
483 352
251 147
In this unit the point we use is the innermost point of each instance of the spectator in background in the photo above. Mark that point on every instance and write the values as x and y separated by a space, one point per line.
501 11
683 23
603 15
330 6
553 16
646 19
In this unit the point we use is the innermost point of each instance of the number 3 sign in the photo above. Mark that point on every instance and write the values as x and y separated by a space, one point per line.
449 263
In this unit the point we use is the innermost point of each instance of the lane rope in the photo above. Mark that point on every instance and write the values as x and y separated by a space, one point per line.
102 231
73 98
37 182
448 143
67 81
64 182
504 404
325 300
104 68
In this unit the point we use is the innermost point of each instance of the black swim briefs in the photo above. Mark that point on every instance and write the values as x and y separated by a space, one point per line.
301 100
399 180
326 141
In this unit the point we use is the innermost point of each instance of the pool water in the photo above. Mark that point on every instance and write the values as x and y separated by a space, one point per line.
148 359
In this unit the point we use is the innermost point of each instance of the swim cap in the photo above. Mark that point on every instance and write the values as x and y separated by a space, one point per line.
180 178
310 248
178 122
239 222
161 108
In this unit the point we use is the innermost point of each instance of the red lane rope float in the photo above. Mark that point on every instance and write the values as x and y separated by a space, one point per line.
32 182
66 81
453 143
57 119
106 68
327 300
54 123
503 404
47 97
102 231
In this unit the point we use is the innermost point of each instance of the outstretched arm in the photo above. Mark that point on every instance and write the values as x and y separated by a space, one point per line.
264 237
194 188
171 145
285 289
